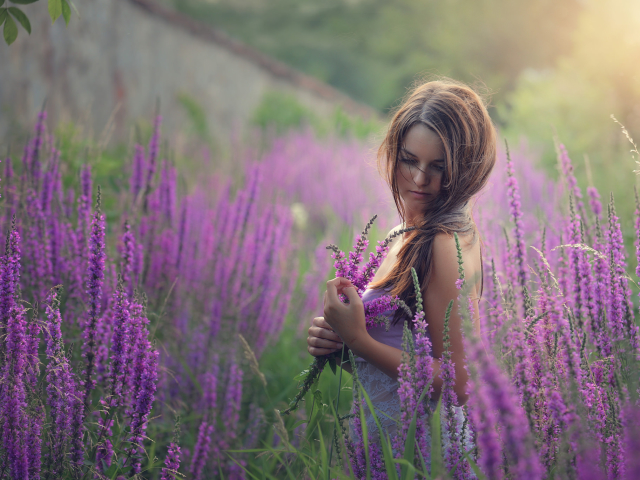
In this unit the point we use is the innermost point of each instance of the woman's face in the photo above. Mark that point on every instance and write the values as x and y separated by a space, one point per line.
419 170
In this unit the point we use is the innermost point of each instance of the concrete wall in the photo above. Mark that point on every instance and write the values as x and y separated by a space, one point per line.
127 53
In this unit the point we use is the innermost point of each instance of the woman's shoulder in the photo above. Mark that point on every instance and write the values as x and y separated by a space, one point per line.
395 229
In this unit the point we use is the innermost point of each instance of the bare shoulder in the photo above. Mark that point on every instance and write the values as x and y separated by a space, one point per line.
445 258
391 232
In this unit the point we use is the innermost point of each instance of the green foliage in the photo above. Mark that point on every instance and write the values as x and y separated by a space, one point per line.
196 114
574 98
372 49
10 30
280 112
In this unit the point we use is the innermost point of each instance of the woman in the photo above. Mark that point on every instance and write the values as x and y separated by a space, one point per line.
437 154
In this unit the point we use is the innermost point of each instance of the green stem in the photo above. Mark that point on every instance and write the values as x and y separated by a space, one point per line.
337 413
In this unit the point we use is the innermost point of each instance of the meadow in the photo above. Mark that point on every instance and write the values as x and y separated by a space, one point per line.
155 327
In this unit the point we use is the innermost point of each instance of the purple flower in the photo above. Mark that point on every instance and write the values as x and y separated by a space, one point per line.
9 280
61 387
201 450
138 171
142 407
516 216
13 404
128 252
172 463
232 399
120 344
594 201
154 148
95 276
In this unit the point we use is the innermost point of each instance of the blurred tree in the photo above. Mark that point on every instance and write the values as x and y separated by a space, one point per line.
599 76
373 49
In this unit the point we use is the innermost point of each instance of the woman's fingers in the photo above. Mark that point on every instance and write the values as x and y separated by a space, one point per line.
324 333
322 323
334 287
318 352
322 340
323 343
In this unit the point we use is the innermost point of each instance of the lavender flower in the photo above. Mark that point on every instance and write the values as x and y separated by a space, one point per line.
201 450
233 397
128 257
9 280
138 171
95 276
143 405
516 215
61 387
13 402
172 463
154 148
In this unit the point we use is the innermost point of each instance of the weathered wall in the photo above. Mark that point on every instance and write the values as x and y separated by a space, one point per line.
130 52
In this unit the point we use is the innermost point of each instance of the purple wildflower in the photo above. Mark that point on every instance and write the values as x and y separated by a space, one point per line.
13 404
378 307
143 405
128 256
172 462
138 171
61 387
201 450
154 148
233 397
516 216
453 455
567 171
120 344
594 201
414 374
95 276
9 279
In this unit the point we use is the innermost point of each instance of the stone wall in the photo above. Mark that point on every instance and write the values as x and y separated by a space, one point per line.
119 56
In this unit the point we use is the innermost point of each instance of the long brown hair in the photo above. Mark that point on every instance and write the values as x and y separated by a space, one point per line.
458 115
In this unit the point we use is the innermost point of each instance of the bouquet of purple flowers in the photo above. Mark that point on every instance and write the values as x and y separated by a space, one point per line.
349 268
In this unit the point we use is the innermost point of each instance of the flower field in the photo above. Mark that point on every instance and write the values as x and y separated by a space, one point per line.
165 343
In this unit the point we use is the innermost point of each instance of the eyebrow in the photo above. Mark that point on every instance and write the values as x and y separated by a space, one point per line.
439 160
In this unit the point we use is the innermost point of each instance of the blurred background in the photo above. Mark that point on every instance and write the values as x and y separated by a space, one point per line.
222 66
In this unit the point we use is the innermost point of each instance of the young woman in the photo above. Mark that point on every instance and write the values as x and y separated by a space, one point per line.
437 154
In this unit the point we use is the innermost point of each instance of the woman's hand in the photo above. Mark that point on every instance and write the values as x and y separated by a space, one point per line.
346 320
322 340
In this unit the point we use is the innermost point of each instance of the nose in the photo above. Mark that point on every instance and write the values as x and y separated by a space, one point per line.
421 178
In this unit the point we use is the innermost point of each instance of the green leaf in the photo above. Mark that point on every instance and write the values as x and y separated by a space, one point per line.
66 12
317 397
365 437
301 375
410 442
332 364
10 30
1 2
474 466
21 17
323 456
386 445
55 9
437 465
3 15
22 2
